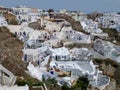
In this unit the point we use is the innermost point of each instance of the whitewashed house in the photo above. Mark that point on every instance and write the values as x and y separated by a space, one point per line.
36 38
35 55
35 14
3 21
91 26
52 25
36 72
21 13
26 14
23 32
15 87
80 16
75 36
61 54
107 49
83 68
64 11
36 34
7 77
109 19
115 26
79 54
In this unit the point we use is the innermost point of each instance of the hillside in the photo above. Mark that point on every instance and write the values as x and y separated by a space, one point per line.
11 57
11 19
113 35
11 54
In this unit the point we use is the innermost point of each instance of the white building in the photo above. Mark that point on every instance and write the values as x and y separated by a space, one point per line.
107 49
75 36
3 21
36 72
36 38
35 55
34 15
7 77
22 13
52 25
26 14
78 54
91 26
109 19
36 34
80 16
22 32
14 87
60 54
83 68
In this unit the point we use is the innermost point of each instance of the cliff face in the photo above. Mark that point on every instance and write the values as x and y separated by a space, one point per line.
112 69
11 57
11 52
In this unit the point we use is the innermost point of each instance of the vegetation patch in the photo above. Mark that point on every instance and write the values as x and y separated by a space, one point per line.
113 34
94 15
107 62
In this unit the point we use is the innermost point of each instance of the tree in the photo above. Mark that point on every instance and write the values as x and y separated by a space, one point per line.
52 81
65 87
51 10
82 83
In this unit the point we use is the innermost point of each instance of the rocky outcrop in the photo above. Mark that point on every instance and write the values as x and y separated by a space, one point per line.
11 52
35 25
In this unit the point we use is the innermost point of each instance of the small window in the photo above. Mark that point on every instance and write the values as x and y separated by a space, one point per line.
25 57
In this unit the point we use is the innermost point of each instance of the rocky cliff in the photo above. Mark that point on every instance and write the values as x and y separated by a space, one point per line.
11 58
11 52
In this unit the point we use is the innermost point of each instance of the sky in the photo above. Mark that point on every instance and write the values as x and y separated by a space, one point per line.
81 5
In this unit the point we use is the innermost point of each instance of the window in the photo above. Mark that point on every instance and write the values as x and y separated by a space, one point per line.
64 57
58 57
25 57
